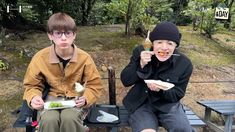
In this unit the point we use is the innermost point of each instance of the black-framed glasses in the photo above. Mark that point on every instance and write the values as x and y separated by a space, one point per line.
58 34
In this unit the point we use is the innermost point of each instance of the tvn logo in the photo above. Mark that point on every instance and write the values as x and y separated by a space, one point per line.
19 8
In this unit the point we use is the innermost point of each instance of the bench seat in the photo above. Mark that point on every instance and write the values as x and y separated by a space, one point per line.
194 120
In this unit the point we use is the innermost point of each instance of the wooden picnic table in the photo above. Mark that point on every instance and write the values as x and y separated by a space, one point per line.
225 108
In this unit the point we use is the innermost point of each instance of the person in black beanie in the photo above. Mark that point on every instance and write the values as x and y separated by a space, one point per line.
149 102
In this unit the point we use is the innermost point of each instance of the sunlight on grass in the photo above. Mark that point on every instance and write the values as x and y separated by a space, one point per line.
211 60
105 38
201 50
204 51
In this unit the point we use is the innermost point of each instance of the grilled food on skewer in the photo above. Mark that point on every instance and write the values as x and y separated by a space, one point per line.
147 43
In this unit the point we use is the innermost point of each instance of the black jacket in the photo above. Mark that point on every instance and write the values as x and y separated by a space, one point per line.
176 70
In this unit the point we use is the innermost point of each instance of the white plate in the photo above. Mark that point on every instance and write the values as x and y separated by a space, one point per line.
159 82
66 104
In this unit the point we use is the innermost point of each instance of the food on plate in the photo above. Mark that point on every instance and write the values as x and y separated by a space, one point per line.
59 104
55 104
147 43
79 89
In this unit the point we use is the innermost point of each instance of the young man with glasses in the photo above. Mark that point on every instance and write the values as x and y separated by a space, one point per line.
61 65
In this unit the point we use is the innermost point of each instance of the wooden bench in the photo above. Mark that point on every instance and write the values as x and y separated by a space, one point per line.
194 120
225 108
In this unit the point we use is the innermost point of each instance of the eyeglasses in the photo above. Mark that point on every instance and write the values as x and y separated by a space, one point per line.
59 34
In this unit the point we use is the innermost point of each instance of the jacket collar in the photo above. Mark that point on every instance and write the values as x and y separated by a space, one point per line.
174 58
54 59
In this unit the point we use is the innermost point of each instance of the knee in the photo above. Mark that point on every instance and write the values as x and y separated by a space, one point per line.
69 118
49 120
148 130
182 128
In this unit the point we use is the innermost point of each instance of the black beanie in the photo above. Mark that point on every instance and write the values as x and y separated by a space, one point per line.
166 31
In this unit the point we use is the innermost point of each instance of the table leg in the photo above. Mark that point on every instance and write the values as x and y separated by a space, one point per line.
207 117
114 129
228 123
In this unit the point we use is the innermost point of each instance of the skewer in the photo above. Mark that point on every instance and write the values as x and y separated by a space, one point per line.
176 54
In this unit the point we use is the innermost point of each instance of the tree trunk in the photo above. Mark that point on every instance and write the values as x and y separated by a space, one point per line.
202 20
228 22
86 7
128 18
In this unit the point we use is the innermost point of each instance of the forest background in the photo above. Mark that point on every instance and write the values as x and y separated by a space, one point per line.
109 30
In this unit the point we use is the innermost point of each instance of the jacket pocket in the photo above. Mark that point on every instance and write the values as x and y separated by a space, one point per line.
172 78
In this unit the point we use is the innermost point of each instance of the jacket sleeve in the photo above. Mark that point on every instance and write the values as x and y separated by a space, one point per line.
178 92
33 81
93 86
133 73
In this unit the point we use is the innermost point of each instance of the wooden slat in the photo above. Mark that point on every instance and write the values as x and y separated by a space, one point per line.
226 112
223 107
186 108
124 116
196 123
216 101
189 113
220 105
193 117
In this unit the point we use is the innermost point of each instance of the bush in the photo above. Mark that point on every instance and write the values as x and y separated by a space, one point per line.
209 24
3 66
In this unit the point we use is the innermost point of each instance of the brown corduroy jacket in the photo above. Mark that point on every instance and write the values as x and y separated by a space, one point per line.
46 67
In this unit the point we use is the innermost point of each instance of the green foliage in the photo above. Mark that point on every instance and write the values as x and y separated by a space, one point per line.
21 54
38 13
107 13
27 11
42 9
203 15
196 8
2 4
72 9
2 35
116 10
97 16
232 13
163 13
209 23
139 16
3 66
